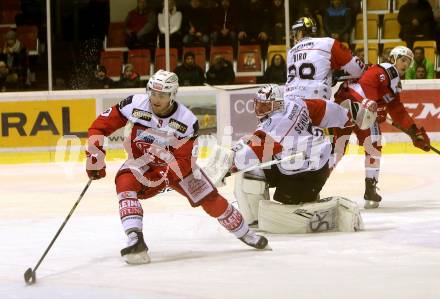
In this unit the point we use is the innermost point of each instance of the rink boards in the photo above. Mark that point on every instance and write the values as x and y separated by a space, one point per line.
52 126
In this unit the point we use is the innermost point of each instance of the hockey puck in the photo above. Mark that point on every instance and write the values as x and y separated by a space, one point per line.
29 276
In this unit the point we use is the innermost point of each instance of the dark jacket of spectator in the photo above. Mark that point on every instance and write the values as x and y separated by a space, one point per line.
277 71
220 72
15 55
416 19
141 26
101 80
224 24
277 34
337 21
129 78
189 73
253 24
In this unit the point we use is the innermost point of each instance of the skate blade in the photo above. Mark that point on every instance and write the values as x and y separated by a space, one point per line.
137 258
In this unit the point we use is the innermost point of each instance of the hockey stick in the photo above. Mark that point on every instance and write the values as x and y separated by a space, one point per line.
390 121
30 274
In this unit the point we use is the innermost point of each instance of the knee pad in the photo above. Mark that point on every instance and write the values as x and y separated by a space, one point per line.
328 214
126 181
249 192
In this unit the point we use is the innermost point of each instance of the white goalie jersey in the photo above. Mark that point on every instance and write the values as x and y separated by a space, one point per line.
296 129
310 66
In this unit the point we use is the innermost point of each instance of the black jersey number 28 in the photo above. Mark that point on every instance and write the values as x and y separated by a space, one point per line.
306 71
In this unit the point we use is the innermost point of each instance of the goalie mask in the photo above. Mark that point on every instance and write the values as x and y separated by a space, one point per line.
163 81
269 99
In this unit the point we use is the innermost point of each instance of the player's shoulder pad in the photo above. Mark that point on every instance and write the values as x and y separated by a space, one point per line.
390 70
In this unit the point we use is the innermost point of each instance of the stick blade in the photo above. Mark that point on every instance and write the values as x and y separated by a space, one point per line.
29 276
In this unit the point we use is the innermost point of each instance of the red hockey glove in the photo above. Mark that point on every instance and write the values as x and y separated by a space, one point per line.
95 165
419 138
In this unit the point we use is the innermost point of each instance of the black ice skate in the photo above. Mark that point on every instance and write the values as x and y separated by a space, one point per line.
371 197
136 251
256 241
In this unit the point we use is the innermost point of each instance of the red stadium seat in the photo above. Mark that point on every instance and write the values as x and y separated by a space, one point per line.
115 39
199 54
249 61
141 60
28 35
160 62
10 5
7 17
113 62
226 51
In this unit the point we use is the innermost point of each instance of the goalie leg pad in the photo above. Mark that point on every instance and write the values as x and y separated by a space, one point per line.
249 192
328 214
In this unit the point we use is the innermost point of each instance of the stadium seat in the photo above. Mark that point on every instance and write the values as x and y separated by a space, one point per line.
113 61
388 46
275 49
373 52
7 17
391 28
378 6
28 35
10 5
115 39
373 28
141 61
430 47
245 80
160 62
249 61
199 54
226 51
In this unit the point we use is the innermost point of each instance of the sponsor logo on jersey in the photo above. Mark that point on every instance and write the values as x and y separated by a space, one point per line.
106 112
177 125
125 102
141 114
382 77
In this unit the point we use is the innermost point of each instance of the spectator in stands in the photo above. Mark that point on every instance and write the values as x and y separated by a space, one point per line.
337 21
220 72
254 25
420 60
129 78
189 73
416 21
101 80
277 71
140 26
175 25
15 55
277 31
195 25
421 72
224 24
7 81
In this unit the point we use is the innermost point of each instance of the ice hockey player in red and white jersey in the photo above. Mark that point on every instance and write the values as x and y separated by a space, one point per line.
312 61
290 127
380 83
160 144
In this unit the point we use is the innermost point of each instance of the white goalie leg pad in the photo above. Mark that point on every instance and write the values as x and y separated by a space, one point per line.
249 192
329 214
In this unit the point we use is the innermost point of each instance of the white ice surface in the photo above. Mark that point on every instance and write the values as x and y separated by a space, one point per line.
397 256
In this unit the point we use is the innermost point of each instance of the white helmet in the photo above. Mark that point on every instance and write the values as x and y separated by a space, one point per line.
268 99
398 51
164 81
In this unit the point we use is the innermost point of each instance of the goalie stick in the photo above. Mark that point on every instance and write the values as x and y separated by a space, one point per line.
390 121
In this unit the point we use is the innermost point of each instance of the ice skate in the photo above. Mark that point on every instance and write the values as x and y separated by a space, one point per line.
256 241
371 197
137 251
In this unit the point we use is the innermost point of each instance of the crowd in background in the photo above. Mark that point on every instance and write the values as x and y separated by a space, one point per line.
210 23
